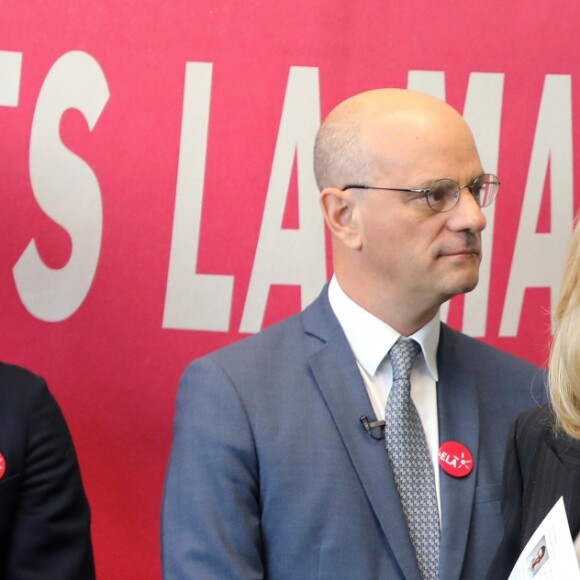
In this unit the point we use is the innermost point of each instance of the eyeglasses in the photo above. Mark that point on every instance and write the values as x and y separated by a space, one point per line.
443 194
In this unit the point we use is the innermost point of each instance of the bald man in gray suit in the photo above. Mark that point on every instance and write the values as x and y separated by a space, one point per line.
272 472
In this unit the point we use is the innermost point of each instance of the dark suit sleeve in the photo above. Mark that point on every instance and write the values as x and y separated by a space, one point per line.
512 497
211 506
50 532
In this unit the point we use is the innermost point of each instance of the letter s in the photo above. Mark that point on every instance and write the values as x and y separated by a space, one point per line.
66 189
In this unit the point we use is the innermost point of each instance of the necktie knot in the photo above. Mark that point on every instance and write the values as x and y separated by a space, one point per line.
402 356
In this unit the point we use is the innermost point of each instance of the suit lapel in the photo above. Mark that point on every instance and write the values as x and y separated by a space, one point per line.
338 378
458 421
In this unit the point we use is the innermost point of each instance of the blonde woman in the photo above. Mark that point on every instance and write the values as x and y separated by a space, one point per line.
543 458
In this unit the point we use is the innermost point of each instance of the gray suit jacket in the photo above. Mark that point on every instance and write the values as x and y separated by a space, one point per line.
273 476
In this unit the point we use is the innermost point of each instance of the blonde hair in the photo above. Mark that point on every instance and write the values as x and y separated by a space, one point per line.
564 365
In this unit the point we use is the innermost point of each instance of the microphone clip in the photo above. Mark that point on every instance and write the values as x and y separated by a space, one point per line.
376 429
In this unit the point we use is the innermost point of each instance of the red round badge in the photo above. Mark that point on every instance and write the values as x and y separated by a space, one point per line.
2 466
455 459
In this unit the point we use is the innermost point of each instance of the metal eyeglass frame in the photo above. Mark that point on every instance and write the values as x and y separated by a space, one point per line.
489 180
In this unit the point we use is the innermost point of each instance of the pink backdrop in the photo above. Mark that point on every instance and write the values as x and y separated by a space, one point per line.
158 199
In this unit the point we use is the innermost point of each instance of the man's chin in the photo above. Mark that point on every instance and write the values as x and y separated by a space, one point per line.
463 286
470 286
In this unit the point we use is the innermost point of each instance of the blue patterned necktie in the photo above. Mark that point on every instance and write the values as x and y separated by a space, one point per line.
409 456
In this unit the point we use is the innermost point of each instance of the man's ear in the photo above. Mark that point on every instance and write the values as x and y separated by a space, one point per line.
341 213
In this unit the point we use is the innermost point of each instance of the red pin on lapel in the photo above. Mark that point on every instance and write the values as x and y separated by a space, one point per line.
2 466
455 459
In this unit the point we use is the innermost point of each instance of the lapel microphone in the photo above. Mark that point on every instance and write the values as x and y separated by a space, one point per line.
376 429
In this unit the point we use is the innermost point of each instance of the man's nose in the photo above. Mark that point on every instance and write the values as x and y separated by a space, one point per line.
467 214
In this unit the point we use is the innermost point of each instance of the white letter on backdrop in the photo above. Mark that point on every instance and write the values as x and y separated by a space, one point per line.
65 188
10 68
538 259
482 111
193 301
290 256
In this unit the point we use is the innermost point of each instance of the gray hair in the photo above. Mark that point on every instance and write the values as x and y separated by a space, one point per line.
341 154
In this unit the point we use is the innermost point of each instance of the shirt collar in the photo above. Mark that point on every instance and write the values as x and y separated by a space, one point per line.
371 339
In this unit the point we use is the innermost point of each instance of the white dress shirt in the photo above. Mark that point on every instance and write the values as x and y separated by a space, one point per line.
370 340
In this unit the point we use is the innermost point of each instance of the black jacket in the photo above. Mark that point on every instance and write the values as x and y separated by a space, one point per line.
44 513
541 466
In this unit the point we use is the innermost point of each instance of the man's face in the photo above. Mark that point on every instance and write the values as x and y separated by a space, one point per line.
417 257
